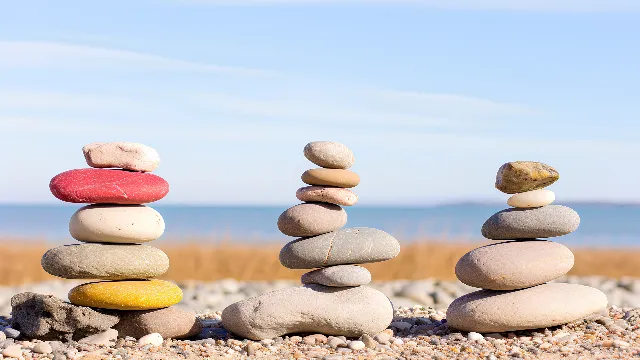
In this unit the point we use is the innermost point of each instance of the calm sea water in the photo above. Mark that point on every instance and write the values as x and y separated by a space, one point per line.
602 224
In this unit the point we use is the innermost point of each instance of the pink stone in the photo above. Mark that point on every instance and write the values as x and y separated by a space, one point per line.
106 186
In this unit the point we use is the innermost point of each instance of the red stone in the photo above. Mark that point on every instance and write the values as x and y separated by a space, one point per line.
107 186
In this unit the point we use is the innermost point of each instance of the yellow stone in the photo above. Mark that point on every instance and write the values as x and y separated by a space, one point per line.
126 294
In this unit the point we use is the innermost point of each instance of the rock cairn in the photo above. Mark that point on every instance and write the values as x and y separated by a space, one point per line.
514 274
334 300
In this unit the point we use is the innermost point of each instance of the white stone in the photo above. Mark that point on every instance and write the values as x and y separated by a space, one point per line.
42 348
356 345
123 155
474 336
13 351
154 339
105 338
531 199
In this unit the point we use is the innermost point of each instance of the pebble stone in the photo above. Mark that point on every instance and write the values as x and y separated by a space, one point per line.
340 275
153 339
121 154
341 247
329 154
171 323
331 177
13 351
104 338
327 194
126 295
532 199
543 222
310 219
356 345
120 224
514 264
42 348
11 333
521 176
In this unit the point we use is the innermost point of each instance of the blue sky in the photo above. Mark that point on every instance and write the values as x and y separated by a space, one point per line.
432 96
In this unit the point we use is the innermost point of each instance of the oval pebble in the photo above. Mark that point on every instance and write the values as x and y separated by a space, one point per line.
532 199
327 194
172 322
122 224
339 275
329 154
153 339
121 154
126 295
521 176
543 222
331 177
310 219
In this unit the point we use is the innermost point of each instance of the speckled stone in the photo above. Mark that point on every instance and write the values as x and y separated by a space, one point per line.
520 176
310 219
328 154
121 154
327 194
126 295
531 199
121 224
339 276
331 177
171 322
543 222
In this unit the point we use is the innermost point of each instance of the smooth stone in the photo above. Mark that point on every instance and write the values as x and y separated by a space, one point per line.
521 176
340 275
106 186
341 247
46 317
329 154
312 308
327 194
104 338
489 311
126 295
543 222
310 219
153 339
532 199
121 154
331 177
514 264
170 323
120 224
12 351
42 348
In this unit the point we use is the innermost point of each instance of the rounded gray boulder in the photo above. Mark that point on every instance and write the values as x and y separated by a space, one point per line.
520 223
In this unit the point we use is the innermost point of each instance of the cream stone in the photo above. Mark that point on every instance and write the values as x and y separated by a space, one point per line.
531 199
121 154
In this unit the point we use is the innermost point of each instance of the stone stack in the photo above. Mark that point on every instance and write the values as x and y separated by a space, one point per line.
514 274
334 300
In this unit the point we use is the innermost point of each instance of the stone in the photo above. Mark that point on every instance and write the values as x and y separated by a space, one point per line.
105 186
329 154
170 323
46 317
331 177
532 199
105 338
310 219
339 276
350 312
126 295
543 222
514 264
120 224
341 247
521 176
368 341
488 311
121 154
153 339
42 348
327 194
106 262
356 345
13 351
474 336
11 333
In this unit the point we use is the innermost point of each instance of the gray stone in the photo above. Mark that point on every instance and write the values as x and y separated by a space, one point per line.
46 317
105 262
329 154
543 222
171 322
310 219
351 312
345 246
521 176
340 275
11 333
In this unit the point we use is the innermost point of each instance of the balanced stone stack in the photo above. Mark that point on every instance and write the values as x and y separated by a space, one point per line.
514 274
334 300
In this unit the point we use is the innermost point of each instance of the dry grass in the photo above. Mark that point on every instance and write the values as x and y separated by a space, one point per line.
20 263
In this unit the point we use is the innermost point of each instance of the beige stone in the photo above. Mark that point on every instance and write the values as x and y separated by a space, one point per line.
531 199
311 219
121 154
331 177
521 176
328 194
328 154
339 276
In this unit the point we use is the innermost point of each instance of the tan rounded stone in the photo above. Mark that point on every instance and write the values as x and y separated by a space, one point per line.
121 154
332 195
331 177
531 199
521 176
329 154
311 219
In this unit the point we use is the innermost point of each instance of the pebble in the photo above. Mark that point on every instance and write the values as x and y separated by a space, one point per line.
522 176
327 194
543 222
532 199
311 219
104 338
106 262
42 348
474 336
11 333
382 338
329 154
339 276
514 264
368 341
3 337
335 342
153 339
13 351
331 177
126 295
311 308
121 154
356 345
171 322
120 224
341 247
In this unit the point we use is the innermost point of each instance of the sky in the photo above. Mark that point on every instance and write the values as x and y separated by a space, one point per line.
431 95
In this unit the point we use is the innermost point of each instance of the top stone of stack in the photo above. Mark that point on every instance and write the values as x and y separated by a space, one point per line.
122 155
522 176
330 155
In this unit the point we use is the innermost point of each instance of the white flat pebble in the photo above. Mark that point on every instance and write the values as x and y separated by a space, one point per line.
154 339
398 342
531 199
14 351
356 345
104 338
474 336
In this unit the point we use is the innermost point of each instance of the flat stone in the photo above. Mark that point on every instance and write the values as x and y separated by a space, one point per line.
310 219
520 176
543 222
105 262
331 177
106 186
120 224
532 199
514 264
171 322
106 338
126 295
327 194
312 308
121 154
339 275
329 154
341 247
489 311
46 317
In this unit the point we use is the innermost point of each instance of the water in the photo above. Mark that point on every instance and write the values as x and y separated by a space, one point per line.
603 225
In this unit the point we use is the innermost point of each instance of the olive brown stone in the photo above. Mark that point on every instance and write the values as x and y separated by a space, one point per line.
171 322
328 194
340 275
310 219
543 222
331 177
520 176
329 154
